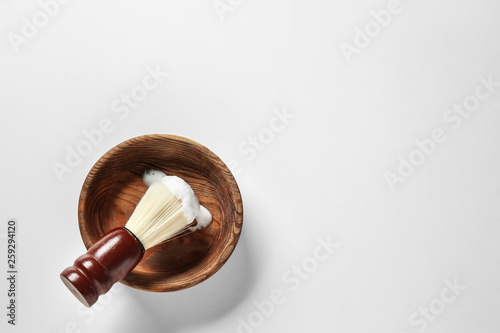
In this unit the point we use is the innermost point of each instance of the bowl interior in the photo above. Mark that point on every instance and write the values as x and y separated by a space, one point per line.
114 186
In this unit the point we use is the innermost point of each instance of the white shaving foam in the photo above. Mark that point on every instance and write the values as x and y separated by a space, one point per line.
152 176
203 219
181 190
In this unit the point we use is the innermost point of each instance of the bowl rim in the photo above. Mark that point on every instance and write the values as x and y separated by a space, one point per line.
225 249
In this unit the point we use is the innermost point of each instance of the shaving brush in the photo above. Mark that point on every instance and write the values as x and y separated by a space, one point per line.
169 208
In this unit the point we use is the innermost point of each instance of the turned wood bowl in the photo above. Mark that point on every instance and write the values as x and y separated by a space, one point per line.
114 186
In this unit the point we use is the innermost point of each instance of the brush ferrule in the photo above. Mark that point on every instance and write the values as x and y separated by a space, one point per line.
136 238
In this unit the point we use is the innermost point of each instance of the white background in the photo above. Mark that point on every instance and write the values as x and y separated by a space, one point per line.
322 175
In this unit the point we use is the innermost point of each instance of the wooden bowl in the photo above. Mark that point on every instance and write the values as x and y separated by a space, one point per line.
114 186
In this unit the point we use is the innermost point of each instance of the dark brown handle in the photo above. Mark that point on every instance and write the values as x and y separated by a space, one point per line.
106 262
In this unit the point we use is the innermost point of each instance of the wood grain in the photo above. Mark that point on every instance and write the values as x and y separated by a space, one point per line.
114 186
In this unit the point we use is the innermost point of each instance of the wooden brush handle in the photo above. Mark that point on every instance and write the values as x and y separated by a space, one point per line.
106 262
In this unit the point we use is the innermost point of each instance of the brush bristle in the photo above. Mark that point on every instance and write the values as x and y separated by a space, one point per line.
158 216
